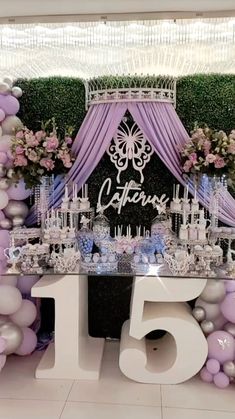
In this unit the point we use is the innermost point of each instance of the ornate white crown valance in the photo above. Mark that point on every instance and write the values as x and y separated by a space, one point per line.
160 89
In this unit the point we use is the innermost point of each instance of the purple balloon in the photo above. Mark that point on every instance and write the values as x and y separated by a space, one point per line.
4 238
206 375
2 115
213 366
228 307
219 322
25 283
18 191
9 104
5 143
2 216
3 157
221 380
221 346
2 254
230 286
29 342
3 344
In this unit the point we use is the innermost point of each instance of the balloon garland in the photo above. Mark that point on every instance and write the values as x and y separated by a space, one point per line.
17 314
215 311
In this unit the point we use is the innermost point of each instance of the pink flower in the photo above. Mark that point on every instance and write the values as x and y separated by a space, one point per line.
31 141
193 157
207 147
20 161
65 157
39 135
47 163
219 162
232 135
210 158
19 149
20 134
51 143
187 166
32 155
68 139
231 148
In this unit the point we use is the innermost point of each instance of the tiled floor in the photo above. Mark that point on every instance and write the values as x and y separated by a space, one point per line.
112 397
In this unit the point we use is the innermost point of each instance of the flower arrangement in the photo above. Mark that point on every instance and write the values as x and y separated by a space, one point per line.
209 152
42 153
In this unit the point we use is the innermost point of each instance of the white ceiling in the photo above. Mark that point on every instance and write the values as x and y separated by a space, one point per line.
64 7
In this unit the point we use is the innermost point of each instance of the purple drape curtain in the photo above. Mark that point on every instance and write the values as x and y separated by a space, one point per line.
90 144
162 127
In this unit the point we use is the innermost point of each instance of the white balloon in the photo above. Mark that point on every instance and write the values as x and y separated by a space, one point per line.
8 80
3 199
16 92
214 291
10 299
10 124
4 87
9 280
26 314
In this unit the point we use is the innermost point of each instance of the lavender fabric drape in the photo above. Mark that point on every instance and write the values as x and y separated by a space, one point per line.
161 126
90 144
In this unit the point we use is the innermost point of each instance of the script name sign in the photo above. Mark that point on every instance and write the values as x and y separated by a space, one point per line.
129 193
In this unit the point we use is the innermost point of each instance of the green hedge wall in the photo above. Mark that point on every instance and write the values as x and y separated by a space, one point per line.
61 97
204 98
207 99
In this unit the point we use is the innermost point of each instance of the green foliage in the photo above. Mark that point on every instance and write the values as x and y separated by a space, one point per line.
112 82
59 97
207 99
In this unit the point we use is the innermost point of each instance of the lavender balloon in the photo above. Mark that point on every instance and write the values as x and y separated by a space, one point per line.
206 375
25 283
9 104
230 286
228 307
18 191
221 346
29 342
221 380
213 366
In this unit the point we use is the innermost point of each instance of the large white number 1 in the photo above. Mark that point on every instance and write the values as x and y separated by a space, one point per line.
159 303
74 355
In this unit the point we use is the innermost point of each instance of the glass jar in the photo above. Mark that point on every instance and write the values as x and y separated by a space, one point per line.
101 228
160 229
85 240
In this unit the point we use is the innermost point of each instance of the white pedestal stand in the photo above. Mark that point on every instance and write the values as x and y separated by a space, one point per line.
74 355
159 304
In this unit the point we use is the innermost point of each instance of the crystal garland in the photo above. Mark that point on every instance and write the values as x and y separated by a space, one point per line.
214 186
42 193
88 49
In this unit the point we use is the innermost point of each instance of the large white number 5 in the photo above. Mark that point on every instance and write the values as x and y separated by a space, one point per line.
159 303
